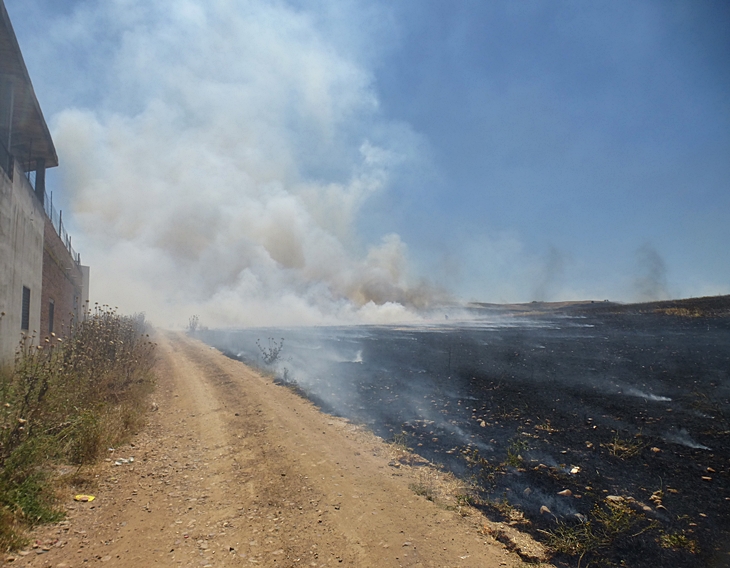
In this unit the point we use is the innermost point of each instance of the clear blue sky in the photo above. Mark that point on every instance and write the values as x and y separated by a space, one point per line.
353 151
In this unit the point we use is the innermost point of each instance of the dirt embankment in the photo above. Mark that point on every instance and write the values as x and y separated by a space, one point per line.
236 471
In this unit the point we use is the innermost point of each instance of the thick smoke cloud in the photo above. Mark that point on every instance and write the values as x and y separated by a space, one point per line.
226 173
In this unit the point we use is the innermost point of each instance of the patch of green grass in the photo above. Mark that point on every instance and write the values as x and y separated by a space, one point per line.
34 499
514 452
606 524
573 539
678 541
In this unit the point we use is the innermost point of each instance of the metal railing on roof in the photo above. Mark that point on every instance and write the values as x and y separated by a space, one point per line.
56 218
8 164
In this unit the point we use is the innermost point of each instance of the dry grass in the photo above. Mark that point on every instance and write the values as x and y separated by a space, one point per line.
625 448
65 402
678 541
682 312
614 520
424 485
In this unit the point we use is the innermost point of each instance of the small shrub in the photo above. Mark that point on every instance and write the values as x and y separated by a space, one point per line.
271 353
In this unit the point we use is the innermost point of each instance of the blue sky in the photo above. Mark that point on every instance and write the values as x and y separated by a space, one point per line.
387 151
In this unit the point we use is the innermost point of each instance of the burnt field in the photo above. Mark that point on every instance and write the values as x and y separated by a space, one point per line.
602 430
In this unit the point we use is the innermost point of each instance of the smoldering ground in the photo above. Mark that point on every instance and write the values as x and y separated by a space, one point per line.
529 406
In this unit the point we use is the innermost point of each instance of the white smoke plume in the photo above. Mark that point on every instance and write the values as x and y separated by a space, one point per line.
224 171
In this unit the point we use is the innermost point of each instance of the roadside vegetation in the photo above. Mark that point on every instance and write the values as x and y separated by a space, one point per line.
63 403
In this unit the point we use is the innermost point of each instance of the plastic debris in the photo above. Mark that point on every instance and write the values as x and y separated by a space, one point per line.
84 498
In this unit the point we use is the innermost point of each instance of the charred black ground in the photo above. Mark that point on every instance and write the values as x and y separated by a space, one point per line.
602 429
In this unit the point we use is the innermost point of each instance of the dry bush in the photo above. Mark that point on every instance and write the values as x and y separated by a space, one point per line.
64 402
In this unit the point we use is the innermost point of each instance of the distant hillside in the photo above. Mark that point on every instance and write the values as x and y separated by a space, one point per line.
708 306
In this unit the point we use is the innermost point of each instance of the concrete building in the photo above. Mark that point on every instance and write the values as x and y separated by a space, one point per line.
43 286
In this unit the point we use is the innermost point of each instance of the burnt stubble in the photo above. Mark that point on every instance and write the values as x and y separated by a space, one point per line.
603 430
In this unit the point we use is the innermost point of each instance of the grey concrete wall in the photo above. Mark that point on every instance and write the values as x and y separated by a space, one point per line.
85 307
63 283
22 222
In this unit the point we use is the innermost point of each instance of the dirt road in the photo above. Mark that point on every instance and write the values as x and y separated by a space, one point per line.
236 471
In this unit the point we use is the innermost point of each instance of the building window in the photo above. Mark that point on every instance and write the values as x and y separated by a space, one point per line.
51 307
25 315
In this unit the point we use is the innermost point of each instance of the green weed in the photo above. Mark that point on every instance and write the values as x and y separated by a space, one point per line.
514 452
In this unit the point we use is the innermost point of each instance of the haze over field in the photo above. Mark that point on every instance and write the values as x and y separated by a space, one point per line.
284 162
